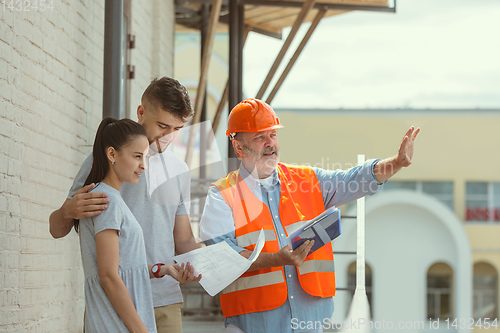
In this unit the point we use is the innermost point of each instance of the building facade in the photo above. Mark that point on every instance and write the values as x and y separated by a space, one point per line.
432 233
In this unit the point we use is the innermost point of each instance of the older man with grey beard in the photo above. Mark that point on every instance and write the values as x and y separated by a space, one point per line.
283 286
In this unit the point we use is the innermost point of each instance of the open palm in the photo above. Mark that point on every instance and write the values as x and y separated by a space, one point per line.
405 153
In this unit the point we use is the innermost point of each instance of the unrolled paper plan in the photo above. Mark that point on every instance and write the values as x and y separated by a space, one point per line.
219 264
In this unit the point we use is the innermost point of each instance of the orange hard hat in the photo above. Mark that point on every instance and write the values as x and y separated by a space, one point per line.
252 115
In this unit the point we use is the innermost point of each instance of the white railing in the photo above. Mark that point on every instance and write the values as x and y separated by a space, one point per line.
360 308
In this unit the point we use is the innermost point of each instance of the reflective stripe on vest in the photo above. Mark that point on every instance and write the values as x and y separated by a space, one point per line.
255 281
310 266
251 238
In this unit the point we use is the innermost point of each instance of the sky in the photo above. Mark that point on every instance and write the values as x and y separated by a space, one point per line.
441 54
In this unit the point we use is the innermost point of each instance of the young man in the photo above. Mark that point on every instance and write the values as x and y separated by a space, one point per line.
159 201
281 284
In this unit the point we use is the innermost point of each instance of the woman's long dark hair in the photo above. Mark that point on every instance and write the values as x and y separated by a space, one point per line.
111 133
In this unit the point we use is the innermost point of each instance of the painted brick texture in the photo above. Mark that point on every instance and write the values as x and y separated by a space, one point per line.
51 66
153 26
50 104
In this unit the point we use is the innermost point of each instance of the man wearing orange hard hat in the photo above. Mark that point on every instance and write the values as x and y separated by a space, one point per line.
284 290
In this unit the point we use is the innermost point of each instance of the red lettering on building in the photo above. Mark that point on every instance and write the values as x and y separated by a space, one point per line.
482 214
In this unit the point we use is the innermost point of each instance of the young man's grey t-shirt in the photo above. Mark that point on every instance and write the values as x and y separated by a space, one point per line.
155 200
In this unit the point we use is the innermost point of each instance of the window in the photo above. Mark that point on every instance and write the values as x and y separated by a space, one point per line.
482 202
443 191
439 295
351 283
485 291
399 185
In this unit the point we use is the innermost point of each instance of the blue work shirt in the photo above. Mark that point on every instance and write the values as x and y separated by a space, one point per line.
338 187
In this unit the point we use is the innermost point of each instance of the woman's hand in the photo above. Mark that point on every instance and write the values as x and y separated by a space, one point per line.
183 273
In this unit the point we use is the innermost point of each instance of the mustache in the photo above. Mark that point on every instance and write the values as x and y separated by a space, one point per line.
269 150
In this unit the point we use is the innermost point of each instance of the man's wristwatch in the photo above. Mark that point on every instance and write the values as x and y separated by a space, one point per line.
156 270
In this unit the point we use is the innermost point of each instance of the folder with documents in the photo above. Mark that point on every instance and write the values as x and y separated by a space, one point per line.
322 229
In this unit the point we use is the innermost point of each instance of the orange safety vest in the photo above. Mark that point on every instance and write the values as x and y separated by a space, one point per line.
300 200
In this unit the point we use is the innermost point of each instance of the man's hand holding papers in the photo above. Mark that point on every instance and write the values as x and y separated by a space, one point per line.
219 264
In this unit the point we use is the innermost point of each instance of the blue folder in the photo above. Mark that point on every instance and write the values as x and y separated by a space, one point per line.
322 229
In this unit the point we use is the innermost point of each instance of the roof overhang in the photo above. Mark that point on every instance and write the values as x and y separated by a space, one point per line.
270 17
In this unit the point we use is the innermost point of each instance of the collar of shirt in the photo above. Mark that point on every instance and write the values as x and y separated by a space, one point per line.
152 152
155 172
266 183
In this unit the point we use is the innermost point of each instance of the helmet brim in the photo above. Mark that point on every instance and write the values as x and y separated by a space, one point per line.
269 128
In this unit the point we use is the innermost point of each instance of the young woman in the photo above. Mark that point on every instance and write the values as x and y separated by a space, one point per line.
117 287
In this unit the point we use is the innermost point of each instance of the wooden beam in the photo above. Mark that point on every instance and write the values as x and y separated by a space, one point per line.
278 14
288 21
320 4
256 11
308 4
266 32
200 94
218 113
314 24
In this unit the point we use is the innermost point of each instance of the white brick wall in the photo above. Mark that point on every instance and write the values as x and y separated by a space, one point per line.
153 27
50 106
